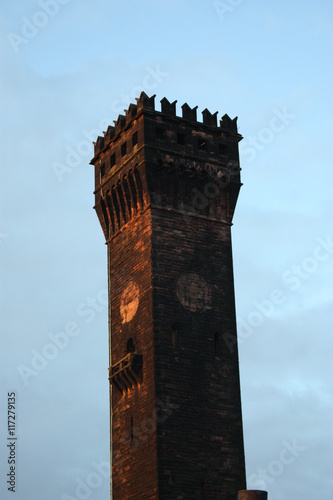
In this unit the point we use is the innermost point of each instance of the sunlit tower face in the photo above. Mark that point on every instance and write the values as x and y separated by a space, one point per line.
165 193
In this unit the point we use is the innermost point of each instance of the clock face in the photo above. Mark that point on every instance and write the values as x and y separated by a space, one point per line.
194 293
129 302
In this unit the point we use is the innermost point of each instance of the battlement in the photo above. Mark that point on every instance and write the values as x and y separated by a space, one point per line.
146 104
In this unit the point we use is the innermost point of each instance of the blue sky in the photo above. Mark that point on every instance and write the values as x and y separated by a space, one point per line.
68 69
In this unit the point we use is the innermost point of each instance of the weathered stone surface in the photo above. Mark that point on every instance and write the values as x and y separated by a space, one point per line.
165 193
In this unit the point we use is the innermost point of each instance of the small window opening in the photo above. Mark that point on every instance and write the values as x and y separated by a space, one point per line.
130 345
202 144
134 139
123 149
132 431
181 138
223 149
174 337
113 159
102 171
160 134
218 345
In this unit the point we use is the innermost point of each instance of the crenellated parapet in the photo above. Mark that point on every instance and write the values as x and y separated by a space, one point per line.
152 158
147 104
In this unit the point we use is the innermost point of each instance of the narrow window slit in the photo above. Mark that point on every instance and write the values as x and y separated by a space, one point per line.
223 149
159 134
181 139
130 345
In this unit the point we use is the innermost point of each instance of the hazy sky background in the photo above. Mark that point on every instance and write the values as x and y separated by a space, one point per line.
68 69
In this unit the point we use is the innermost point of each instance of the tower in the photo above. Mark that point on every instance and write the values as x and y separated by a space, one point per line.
165 192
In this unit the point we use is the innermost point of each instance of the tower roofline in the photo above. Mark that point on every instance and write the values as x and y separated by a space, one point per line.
146 105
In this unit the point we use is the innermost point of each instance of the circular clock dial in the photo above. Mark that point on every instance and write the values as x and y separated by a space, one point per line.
193 292
129 302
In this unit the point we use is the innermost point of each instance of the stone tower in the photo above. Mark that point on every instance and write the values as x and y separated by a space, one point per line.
165 192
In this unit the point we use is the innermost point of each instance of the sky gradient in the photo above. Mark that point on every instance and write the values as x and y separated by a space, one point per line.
68 69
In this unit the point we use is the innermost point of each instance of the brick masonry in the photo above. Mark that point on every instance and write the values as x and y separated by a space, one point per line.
165 193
